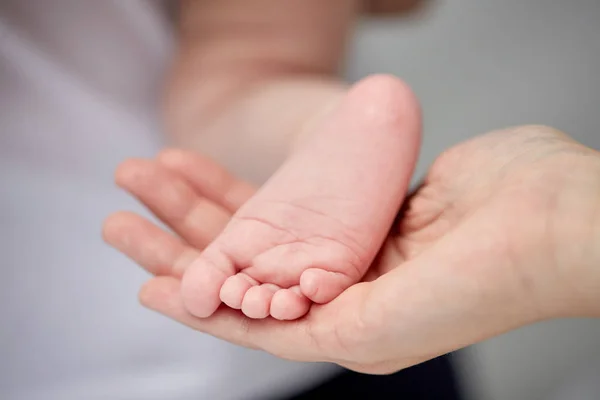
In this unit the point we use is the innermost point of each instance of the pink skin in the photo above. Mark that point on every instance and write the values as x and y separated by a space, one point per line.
315 227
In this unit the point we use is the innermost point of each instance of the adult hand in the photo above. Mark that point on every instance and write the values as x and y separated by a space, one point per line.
500 234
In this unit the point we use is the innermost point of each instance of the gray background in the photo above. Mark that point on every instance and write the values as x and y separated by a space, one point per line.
480 65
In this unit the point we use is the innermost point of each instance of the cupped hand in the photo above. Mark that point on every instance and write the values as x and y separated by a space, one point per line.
498 235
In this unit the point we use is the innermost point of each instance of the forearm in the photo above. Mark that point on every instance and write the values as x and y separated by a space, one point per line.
246 82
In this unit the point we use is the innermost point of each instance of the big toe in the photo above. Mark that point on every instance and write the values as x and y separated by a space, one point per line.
202 282
322 286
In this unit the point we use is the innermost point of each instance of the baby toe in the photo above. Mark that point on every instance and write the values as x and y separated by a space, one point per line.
234 289
257 300
202 281
322 286
289 304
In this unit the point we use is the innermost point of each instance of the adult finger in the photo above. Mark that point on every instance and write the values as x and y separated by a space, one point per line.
157 251
197 219
208 178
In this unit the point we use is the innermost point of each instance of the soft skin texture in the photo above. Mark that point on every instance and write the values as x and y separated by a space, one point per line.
249 84
317 224
501 233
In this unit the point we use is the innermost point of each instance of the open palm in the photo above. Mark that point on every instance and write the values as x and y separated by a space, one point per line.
471 254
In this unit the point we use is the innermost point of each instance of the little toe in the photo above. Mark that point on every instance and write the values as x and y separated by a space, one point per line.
257 300
234 289
202 281
322 286
289 304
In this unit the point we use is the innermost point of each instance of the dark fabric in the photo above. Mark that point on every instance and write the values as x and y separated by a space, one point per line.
433 380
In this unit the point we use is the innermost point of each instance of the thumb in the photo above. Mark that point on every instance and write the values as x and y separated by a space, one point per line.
458 292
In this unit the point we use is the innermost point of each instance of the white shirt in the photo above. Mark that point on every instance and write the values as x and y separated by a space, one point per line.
80 82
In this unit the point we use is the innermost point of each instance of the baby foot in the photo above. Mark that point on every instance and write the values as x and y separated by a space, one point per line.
315 227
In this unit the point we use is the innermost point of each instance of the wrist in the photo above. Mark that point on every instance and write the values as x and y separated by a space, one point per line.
590 277
577 233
